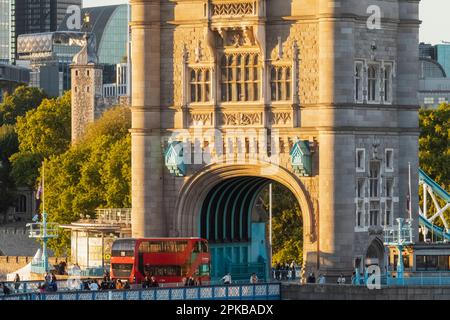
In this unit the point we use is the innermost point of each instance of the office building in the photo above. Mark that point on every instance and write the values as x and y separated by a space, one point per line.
109 24
434 83
19 17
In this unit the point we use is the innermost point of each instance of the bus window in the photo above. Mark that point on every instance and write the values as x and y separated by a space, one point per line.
205 247
163 247
163 271
197 247
123 248
122 269
204 270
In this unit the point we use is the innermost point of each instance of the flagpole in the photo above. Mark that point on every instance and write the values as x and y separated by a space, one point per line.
44 223
270 227
410 192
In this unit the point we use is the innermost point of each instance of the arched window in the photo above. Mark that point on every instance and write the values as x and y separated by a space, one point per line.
200 85
358 82
281 82
387 83
240 77
372 76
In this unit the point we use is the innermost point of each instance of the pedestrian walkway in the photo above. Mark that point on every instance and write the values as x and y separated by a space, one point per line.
264 291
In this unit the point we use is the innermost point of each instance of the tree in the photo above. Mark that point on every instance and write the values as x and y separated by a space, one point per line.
93 173
434 147
8 145
47 130
17 104
287 225
42 132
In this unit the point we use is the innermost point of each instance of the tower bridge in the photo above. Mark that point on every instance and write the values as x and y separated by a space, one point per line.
336 103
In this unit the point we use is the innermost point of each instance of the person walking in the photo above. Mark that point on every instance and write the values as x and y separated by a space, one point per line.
17 283
277 272
48 277
341 280
311 278
93 286
153 282
227 278
146 282
6 290
119 285
254 279
322 279
293 270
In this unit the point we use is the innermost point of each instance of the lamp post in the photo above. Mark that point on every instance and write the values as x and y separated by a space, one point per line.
43 230
399 239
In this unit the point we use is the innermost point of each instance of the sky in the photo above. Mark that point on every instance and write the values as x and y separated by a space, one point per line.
433 13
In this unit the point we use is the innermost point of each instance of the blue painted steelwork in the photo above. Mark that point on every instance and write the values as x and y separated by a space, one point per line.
174 159
226 222
264 291
400 238
301 158
444 195
435 186
422 279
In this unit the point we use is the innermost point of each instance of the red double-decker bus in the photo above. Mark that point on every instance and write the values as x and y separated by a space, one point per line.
169 260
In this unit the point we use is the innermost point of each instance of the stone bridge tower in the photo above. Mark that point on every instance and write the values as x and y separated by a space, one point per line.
229 95
86 87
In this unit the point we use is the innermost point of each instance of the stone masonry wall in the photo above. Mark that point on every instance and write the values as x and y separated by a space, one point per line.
15 242
348 292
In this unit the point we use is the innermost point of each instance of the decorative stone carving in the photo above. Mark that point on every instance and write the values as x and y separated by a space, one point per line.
281 118
233 9
200 119
241 119
237 37
302 47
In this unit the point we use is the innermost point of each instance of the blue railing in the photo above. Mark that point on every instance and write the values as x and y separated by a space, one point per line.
414 279
421 279
267 291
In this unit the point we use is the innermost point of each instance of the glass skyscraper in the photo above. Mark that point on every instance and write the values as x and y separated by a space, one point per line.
443 56
7 31
19 17
110 26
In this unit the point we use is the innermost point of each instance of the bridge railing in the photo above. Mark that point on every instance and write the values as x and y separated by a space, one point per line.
420 279
264 291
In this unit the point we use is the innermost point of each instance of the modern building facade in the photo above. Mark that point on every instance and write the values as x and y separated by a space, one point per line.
19 17
442 55
7 31
434 85
434 88
11 77
109 24
50 54
230 95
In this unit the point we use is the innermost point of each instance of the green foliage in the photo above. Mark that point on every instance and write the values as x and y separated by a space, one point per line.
17 104
434 154
47 130
434 147
287 225
8 145
42 133
94 173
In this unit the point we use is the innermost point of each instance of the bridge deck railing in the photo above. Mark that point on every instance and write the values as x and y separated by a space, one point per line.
264 291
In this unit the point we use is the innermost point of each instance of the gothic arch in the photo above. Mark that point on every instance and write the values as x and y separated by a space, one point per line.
196 188
375 251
